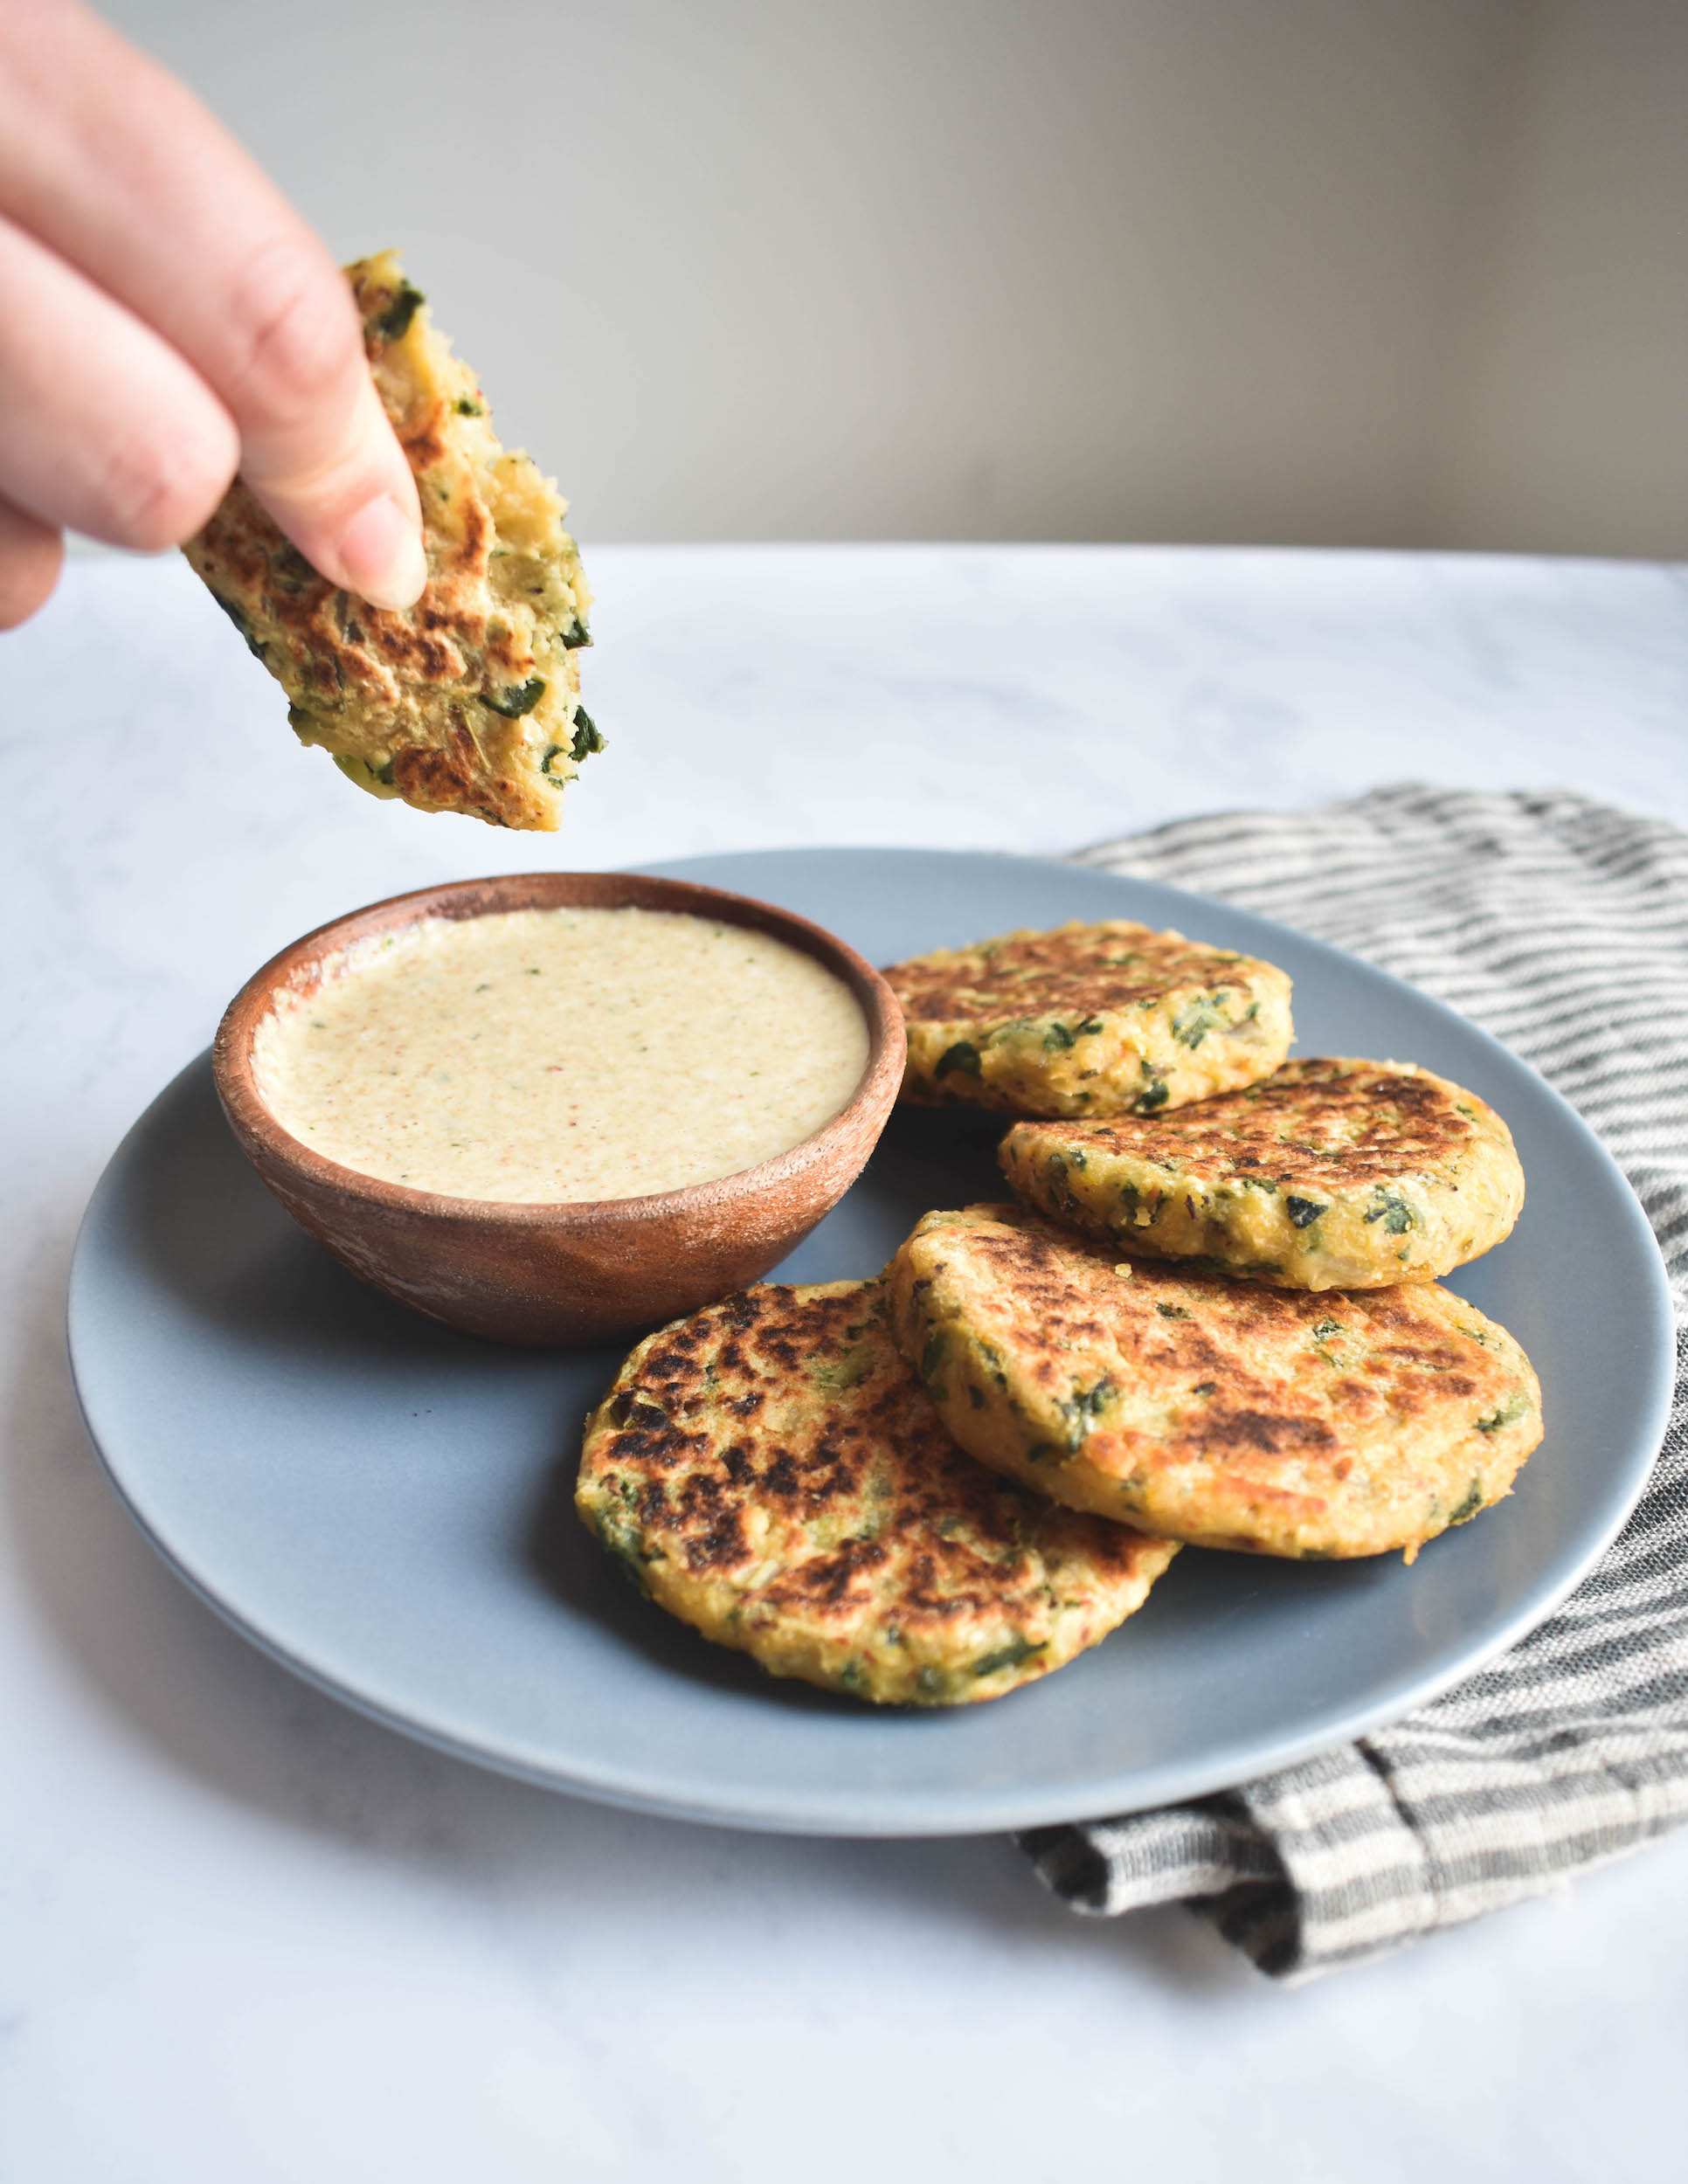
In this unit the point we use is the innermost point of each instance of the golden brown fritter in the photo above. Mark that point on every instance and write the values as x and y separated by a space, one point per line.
469 700
1213 1411
1331 1175
1106 1019
771 1473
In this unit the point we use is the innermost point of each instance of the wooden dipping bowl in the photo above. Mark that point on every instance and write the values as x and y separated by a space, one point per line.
578 1273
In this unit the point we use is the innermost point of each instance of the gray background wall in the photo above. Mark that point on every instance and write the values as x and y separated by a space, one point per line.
1368 272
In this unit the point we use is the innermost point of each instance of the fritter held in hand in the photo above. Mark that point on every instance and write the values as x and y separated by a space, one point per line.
1109 1019
771 1472
1331 1175
469 700
1212 1410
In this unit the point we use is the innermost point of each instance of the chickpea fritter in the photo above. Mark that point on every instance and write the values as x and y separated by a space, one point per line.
1219 1413
1108 1019
1330 1175
470 700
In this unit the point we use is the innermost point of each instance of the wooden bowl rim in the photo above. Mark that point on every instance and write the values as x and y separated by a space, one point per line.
288 968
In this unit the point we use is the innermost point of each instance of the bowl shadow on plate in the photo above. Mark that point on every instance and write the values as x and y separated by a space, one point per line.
932 1158
210 1234
205 1229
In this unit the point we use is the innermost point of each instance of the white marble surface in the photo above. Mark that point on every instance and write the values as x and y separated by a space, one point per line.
246 1935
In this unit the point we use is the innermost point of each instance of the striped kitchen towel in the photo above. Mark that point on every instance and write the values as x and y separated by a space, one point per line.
1560 926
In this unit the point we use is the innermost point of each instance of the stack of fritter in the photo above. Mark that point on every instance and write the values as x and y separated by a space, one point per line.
1214 1321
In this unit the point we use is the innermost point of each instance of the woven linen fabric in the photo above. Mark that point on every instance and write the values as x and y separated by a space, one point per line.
1560 926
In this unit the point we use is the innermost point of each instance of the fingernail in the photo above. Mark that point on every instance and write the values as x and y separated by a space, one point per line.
381 552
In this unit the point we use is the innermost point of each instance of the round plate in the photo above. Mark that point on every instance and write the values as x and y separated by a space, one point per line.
386 1506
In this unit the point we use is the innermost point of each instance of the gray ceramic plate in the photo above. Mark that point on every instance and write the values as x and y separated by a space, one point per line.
385 1506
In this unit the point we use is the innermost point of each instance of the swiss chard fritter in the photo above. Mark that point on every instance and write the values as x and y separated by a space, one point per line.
1104 1019
1216 1411
1330 1175
470 700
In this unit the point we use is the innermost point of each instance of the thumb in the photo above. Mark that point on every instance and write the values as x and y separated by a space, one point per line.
343 491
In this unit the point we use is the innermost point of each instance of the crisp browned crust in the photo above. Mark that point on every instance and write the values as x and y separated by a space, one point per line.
1103 1018
1212 1410
773 1472
1073 969
1331 1174
469 700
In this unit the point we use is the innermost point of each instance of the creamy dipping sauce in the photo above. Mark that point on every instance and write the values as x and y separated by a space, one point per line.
534 1056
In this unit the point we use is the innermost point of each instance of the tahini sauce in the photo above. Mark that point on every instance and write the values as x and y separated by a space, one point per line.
533 1056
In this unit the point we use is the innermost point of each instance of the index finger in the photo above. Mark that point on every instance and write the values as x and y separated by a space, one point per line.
110 160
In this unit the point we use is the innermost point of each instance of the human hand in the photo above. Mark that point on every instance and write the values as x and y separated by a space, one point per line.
165 319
